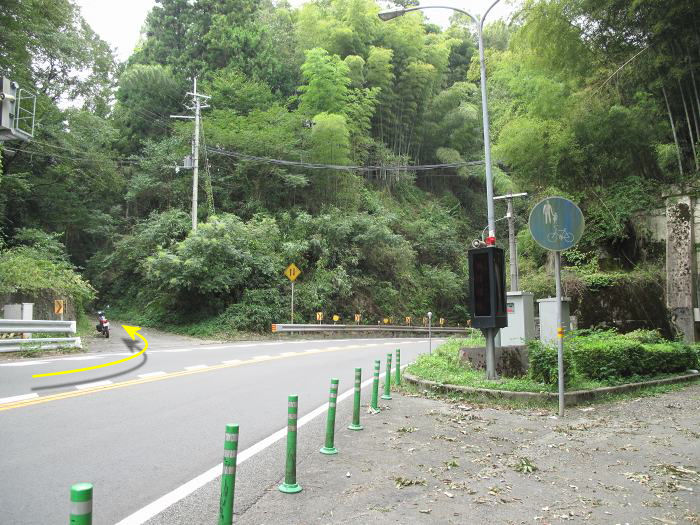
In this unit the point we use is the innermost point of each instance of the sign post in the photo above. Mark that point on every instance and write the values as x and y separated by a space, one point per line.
292 272
557 224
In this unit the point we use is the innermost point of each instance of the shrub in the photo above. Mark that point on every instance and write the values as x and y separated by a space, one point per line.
667 357
606 357
544 363
645 336
256 312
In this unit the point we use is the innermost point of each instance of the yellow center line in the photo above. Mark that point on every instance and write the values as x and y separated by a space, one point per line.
132 382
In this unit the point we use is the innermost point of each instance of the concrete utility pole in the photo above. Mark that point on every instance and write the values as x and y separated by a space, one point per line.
512 243
197 107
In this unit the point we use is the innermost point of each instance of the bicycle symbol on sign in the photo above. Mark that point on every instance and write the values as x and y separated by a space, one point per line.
560 235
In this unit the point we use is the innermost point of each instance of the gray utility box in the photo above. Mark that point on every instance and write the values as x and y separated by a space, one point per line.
22 311
520 307
548 318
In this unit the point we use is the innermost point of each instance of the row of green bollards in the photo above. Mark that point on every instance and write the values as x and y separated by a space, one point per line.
81 493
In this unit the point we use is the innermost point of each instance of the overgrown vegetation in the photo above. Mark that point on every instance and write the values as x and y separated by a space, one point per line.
329 83
592 359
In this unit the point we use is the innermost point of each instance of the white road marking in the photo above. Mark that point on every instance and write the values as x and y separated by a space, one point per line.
196 367
231 361
177 351
151 374
289 354
17 398
96 383
25 363
261 357
82 358
152 509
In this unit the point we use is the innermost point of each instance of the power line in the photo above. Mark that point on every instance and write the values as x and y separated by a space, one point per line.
280 162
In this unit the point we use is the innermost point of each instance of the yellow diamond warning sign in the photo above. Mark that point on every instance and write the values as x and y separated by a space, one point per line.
292 272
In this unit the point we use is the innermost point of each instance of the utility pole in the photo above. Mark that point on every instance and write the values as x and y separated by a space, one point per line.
196 107
514 277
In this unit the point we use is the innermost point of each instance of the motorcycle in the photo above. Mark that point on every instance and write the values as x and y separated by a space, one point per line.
102 325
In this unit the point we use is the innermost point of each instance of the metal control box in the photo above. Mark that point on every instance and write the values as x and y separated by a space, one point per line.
520 308
487 284
548 318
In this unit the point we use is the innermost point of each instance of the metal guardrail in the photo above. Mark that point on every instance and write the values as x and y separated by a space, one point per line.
277 328
48 343
19 325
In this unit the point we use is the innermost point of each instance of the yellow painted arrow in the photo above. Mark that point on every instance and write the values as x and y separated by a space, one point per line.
131 330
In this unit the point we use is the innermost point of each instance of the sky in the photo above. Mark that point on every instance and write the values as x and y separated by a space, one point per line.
119 23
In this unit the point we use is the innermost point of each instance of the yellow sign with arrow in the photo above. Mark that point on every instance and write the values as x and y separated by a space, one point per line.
292 272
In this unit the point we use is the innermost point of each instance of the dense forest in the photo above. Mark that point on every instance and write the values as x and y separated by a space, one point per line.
344 144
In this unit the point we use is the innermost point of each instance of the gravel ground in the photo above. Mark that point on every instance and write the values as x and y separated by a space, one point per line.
422 460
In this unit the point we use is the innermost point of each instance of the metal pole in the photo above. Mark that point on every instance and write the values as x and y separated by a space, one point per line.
490 336
228 476
195 177
329 447
292 321
430 333
514 286
81 504
290 485
560 333
356 405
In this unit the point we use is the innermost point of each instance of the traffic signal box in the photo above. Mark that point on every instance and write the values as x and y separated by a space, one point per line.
487 287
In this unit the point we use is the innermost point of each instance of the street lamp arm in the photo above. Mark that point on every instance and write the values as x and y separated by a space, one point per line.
388 15
483 17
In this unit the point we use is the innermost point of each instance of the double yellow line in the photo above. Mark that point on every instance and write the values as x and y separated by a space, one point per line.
132 382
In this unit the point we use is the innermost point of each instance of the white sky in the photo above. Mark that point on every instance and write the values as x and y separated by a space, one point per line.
119 23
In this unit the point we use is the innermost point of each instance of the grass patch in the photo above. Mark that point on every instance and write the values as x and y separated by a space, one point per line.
444 366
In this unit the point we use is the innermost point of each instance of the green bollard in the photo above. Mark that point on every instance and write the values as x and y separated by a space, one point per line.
387 378
375 386
228 477
81 504
328 448
398 366
356 406
290 485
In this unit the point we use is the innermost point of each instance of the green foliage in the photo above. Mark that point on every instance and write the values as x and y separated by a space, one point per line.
544 366
327 79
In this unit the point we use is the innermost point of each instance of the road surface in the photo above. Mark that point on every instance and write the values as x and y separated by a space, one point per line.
144 428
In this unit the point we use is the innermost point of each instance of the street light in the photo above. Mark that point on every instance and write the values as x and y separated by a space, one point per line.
491 239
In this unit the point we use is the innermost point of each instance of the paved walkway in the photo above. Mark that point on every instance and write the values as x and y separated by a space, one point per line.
431 461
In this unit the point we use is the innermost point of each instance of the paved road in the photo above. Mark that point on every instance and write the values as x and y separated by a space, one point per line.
143 428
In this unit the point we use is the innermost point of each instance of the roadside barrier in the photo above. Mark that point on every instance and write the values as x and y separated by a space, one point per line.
387 378
228 477
355 425
81 504
328 448
398 367
375 386
290 485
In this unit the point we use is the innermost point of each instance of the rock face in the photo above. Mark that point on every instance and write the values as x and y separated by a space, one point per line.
679 265
511 361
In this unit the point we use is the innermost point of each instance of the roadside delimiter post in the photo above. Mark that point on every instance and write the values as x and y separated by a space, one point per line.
81 504
228 476
290 484
387 378
375 386
398 366
328 448
356 405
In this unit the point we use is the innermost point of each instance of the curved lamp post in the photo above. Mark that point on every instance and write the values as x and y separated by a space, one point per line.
491 239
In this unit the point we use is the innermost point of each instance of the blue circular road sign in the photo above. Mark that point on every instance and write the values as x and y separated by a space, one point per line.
556 223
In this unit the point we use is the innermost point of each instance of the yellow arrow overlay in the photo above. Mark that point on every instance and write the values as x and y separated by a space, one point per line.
131 330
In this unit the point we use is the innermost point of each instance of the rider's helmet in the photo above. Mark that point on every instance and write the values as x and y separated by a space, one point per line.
100 312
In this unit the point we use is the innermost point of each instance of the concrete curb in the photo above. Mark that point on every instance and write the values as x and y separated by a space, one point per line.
571 398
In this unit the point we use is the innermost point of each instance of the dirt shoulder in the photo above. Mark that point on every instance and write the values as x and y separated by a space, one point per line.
438 461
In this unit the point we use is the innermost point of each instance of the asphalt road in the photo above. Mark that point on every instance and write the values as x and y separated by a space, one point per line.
143 428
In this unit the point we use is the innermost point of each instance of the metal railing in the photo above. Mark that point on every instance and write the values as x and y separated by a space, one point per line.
24 326
20 325
277 328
